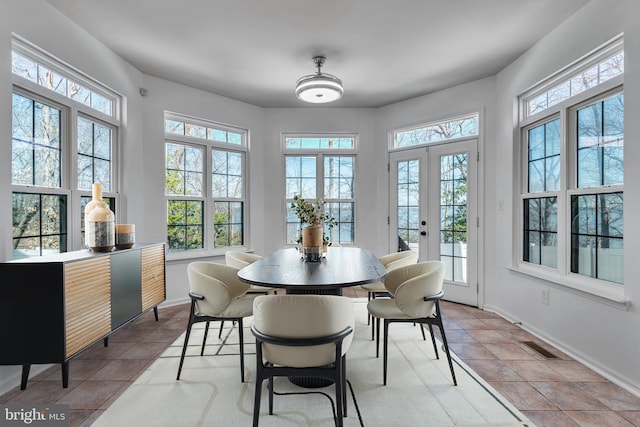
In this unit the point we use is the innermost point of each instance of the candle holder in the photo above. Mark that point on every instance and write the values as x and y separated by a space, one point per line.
125 236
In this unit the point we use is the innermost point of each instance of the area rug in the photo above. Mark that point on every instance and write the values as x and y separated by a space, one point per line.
419 390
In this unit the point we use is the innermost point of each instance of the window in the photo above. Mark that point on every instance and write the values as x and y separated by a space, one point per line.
26 65
576 83
48 100
321 167
459 127
204 184
227 177
543 178
94 154
573 146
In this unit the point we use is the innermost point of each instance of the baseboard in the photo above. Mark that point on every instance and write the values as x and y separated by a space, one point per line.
176 301
571 352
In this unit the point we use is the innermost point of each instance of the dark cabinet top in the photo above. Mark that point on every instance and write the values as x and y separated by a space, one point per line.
342 267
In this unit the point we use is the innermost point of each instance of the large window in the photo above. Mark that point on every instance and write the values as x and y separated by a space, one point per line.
321 167
573 146
205 184
64 133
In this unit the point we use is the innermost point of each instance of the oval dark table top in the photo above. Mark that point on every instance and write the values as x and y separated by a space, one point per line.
342 267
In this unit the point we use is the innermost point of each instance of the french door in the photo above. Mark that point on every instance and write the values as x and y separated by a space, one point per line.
434 211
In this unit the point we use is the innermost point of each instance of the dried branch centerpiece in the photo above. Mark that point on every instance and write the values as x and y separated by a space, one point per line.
314 216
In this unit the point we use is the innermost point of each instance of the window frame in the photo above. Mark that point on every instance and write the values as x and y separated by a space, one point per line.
444 121
566 111
319 154
208 145
70 109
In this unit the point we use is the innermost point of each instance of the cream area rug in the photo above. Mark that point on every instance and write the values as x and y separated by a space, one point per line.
419 390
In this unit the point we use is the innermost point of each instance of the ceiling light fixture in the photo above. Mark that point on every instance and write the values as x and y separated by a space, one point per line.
319 88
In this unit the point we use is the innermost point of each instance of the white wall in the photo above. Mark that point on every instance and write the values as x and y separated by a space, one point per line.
603 335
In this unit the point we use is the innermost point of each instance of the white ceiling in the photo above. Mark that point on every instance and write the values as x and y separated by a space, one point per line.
383 50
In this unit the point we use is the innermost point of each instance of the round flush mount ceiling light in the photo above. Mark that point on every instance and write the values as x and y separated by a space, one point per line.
319 88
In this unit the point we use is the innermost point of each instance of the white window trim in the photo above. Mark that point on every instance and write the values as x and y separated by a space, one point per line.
603 291
28 49
583 63
207 145
70 110
319 154
444 119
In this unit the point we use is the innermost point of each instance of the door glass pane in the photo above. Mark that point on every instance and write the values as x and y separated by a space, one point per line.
408 208
453 216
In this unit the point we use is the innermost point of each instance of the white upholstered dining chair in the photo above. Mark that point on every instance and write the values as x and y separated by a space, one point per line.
302 336
390 262
238 259
215 292
416 291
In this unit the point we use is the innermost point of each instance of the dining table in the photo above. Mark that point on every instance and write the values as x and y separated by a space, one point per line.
341 267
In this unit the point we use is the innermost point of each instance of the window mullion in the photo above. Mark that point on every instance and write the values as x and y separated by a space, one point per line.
567 178
320 174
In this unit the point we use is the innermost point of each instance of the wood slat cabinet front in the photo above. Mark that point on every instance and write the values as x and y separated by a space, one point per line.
153 276
87 297
54 307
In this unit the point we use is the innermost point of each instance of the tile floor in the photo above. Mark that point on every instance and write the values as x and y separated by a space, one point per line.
549 391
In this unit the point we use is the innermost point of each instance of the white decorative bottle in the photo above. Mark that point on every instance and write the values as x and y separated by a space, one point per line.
99 223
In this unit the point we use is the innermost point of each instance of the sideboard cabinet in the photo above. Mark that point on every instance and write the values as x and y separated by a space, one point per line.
54 307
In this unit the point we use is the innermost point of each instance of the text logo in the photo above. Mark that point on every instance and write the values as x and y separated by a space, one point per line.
34 415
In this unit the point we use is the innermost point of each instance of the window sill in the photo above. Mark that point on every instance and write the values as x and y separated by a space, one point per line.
195 254
598 291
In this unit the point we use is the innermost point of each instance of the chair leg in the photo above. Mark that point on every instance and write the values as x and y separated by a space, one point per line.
240 332
378 337
259 380
339 396
424 338
220 332
369 314
446 349
373 327
270 395
444 341
256 401
385 348
433 341
204 339
184 346
344 385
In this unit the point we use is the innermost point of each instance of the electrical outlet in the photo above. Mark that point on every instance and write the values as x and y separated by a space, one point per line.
545 296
